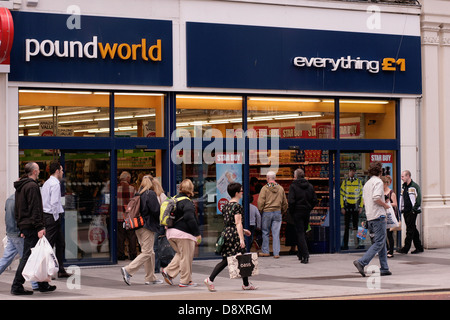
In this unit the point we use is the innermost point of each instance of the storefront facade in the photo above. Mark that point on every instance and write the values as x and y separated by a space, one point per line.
214 91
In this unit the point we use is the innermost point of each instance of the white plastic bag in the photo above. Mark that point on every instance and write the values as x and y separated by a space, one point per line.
42 263
391 219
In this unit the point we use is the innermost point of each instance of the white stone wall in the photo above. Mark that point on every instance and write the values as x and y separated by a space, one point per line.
435 117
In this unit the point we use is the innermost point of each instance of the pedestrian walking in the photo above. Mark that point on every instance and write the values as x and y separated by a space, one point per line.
389 196
14 245
183 237
254 223
53 214
157 187
149 209
375 208
272 203
124 193
301 199
233 232
410 201
351 204
29 215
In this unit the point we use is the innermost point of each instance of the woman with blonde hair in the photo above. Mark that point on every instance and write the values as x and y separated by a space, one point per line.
149 209
157 187
161 247
182 237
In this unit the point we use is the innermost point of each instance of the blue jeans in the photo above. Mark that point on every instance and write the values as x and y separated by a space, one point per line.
13 247
378 227
271 220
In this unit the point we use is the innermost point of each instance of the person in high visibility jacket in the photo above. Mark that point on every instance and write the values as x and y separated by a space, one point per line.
351 203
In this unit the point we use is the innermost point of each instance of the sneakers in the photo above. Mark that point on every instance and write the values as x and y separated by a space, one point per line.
209 285
154 282
167 278
126 276
249 287
189 285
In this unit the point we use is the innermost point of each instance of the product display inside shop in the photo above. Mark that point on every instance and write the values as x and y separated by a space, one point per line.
78 113
315 164
86 194
353 176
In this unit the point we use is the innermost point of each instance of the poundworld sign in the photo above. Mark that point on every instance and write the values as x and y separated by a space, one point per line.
76 49
237 56
104 50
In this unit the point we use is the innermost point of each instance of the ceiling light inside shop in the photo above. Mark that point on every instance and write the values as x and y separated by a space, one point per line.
139 94
30 110
284 99
54 91
359 101
62 114
209 97
252 119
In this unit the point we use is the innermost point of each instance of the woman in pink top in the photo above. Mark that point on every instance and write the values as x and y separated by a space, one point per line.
183 237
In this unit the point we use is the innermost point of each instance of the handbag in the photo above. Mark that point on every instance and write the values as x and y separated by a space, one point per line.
391 219
165 251
243 265
219 243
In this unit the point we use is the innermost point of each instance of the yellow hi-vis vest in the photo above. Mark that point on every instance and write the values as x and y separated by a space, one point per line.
351 192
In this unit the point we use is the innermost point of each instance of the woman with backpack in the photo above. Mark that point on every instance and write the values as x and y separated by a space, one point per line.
149 209
183 237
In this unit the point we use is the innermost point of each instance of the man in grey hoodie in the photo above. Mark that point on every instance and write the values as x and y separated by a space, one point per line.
272 203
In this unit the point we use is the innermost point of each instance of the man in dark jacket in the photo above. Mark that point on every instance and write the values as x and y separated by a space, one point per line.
302 199
29 215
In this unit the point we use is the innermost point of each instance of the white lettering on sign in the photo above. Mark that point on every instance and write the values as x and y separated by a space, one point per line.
372 66
380 157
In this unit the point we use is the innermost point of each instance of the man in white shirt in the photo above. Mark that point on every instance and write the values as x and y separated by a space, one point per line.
375 204
53 211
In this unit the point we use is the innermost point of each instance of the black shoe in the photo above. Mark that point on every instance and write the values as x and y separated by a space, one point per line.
417 251
402 251
21 292
360 267
63 274
385 273
47 288
304 260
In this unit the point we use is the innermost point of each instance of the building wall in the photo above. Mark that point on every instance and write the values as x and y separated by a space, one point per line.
435 116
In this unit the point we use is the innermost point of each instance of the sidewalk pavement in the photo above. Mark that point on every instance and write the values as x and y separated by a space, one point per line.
327 276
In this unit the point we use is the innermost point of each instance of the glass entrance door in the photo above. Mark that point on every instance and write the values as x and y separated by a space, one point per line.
87 205
318 167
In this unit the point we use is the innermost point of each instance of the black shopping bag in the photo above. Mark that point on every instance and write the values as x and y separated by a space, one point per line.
243 265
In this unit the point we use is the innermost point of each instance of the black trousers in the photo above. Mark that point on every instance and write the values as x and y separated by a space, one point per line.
351 215
219 267
301 221
30 240
412 234
55 236
390 241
